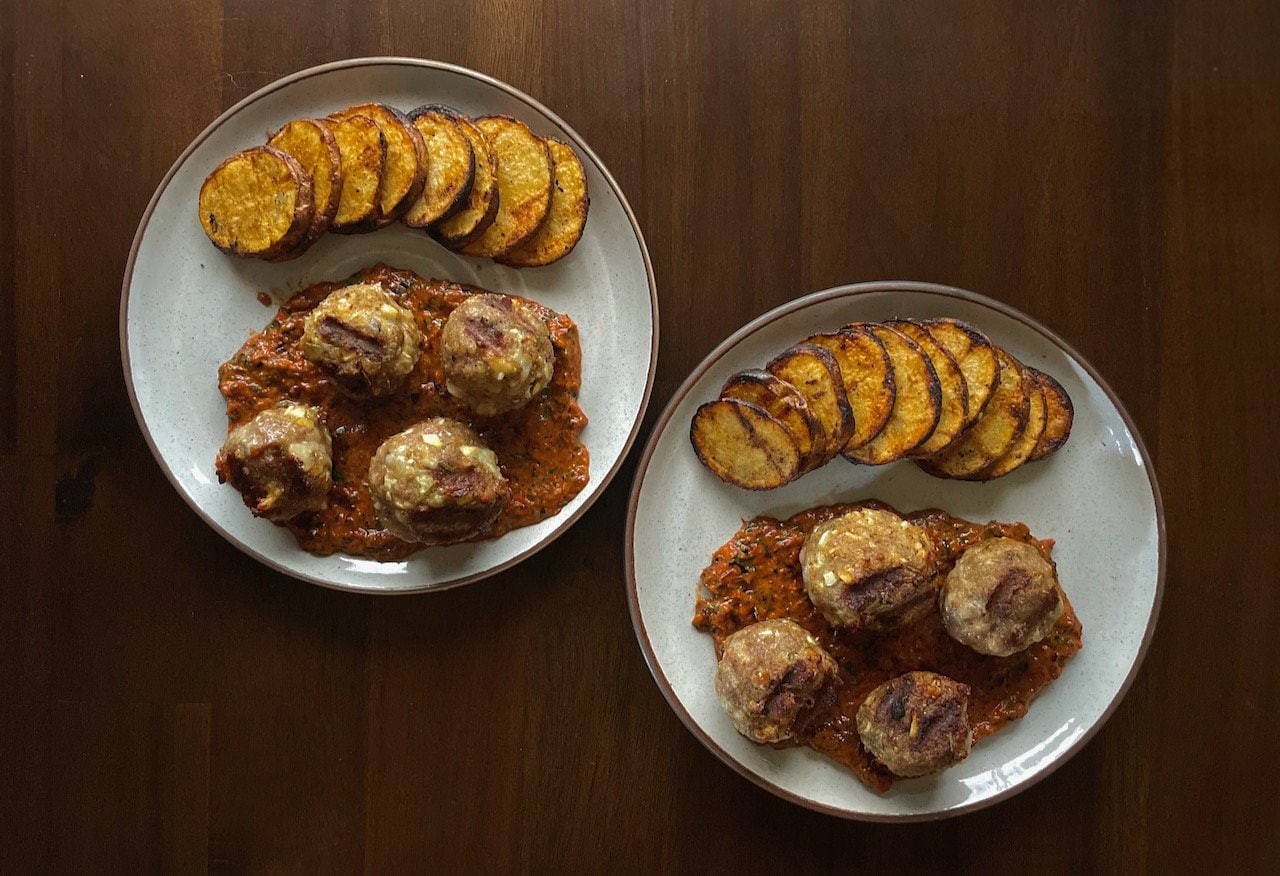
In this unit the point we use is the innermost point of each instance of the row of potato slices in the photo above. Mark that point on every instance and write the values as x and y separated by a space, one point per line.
936 391
486 187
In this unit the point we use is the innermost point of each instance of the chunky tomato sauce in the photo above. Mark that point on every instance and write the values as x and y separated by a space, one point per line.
538 446
756 576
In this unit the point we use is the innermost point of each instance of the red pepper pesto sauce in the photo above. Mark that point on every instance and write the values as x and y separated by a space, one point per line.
756 576
538 446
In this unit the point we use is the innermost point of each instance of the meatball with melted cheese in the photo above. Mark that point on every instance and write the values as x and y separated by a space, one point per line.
496 352
768 674
868 569
1001 597
281 461
363 338
436 483
916 724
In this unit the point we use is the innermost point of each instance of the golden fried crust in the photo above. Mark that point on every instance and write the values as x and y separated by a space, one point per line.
451 166
784 403
813 370
312 143
955 396
405 171
991 437
1021 449
561 231
525 172
481 207
743 445
976 356
917 403
1059 414
257 203
364 155
868 379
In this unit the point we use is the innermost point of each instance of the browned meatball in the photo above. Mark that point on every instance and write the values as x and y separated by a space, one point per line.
364 338
869 569
917 723
436 483
1001 597
280 461
768 674
496 352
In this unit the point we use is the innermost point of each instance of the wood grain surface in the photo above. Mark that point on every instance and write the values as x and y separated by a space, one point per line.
169 705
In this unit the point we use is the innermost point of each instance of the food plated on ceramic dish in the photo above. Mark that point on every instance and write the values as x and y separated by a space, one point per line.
386 413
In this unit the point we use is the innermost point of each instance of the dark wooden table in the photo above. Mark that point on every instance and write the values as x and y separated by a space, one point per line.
168 704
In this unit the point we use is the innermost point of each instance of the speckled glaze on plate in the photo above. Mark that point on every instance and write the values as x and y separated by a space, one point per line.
186 308
1097 497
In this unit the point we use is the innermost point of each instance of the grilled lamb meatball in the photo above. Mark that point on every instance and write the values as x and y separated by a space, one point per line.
867 570
1001 597
916 724
281 461
496 352
364 338
770 672
436 483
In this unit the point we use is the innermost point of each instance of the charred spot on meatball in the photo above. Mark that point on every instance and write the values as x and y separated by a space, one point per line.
496 353
768 675
869 569
916 724
363 338
281 461
1001 597
436 483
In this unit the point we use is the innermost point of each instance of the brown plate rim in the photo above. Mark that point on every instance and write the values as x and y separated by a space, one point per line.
535 105
850 291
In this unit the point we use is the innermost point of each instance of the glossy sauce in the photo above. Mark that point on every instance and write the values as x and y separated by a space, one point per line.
756 576
538 446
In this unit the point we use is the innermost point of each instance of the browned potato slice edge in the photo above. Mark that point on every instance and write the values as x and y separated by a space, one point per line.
786 404
1021 449
813 370
868 379
450 165
525 171
405 170
481 207
312 143
566 218
976 356
743 446
1059 416
917 403
257 203
955 393
363 150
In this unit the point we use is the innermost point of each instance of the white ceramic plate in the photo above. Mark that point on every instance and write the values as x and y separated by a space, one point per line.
1097 496
186 308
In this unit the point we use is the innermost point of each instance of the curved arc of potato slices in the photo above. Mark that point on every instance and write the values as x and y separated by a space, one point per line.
743 446
955 395
481 208
525 172
1020 451
405 170
917 403
363 150
974 354
257 203
979 446
813 371
1059 415
450 165
566 218
312 143
786 404
868 379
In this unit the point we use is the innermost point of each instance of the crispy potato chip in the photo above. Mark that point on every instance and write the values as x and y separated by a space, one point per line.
744 446
813 370
955 395
481 207
363 149
787 405
917 403
311 142
257 203
567 217
991 437
976 356
868 379
1059 414
1021 449
451 166
405 171
525 172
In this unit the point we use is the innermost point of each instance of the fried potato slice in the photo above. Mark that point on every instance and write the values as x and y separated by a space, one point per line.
257 203
868 379
525 172
786 404
1022 447
976 356
813 370
744 446
451 165
312 143
567 217
481 207
363 149
955 394
990 438
405 171
917 402
1059 414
